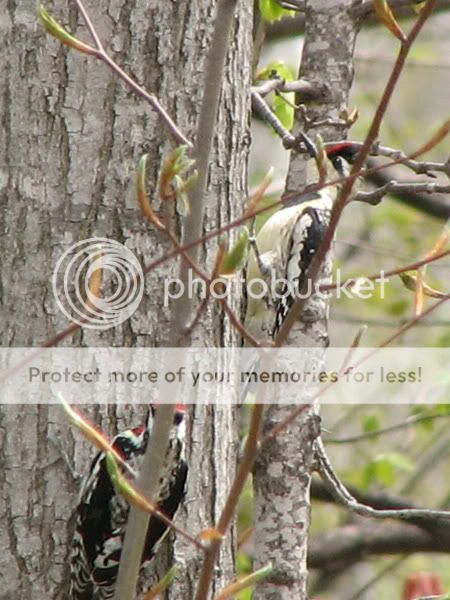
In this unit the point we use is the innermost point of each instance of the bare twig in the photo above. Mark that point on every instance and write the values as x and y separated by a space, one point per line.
390 429
137 89
260 106
399 157
250 451
394 186
340 492
366 9
297 5
300 86
203 144
341 318
382 274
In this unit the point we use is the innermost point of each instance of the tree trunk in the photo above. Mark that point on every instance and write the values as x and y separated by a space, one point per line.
283 471
72 135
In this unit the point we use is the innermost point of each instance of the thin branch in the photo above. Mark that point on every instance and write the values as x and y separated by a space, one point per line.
419 167
392 566
89 25
321 492
349 545
366 9
393 186
137 89
297 5
248 459
214 73
300 86
398 157
434 205
340 492
348 283
390 429
341 318
260 106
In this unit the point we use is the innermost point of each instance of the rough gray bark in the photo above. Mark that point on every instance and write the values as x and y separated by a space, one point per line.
283 471
71 138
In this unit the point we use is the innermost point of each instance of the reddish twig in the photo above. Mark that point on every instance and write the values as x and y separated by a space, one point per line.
101 54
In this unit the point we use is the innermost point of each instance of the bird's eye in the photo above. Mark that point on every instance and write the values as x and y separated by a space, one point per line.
339 165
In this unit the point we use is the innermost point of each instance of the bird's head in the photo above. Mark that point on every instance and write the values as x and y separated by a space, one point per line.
180 410
329 161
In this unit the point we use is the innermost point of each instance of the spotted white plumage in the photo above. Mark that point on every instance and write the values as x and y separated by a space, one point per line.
286 245
102 513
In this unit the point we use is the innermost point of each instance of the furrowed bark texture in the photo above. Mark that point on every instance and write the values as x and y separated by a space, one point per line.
71 136
283 471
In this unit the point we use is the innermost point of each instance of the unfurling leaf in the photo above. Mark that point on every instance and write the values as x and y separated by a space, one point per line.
283 107
442 242
173 183
350 116
322 160
386 16
244 582
236 255
91 433
419 293
409 279
56 30
143 199
161 586
95 275
418 6
126 488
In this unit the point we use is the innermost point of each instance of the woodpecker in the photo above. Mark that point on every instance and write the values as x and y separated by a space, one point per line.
286 244
102 513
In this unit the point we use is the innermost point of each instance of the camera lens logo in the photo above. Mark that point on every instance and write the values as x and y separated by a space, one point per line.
98 260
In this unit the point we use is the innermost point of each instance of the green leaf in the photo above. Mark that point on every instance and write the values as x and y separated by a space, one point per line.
245 594
271 11
385 468
243 563
244 583
283 110
282 104
56 30
371 423
276 68
386 16
236 255
161 586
